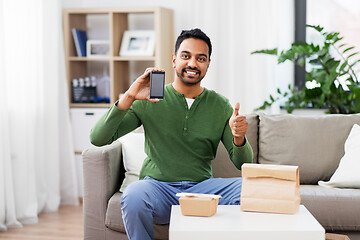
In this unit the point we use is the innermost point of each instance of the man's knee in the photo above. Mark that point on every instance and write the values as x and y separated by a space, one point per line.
137 195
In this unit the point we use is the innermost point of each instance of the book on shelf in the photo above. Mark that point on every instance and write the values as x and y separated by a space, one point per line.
80 39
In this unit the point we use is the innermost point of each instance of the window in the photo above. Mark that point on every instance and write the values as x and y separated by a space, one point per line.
335 16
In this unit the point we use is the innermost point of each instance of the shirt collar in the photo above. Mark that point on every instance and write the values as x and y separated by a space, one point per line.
172 89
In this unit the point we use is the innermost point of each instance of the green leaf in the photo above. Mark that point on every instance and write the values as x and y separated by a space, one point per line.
332 64
301 62
272 98
314 48
351 55
338 39
302 48
313 93
288 55
267 51
317 28
342 67
354 63
263 107
332 36
326 58
303 104
322 98
315 62
344 44
344 73
348 49
323 52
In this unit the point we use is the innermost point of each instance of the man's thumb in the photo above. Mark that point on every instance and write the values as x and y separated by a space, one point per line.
236 109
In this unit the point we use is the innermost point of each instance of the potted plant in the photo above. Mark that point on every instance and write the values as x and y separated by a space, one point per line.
337 87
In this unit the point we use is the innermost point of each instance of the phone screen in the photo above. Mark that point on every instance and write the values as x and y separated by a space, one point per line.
157 80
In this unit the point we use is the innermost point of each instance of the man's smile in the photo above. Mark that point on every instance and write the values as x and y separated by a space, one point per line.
191 73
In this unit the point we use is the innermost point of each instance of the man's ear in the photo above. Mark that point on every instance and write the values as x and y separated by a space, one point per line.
173 60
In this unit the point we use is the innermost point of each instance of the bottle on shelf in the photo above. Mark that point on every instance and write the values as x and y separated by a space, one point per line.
103 86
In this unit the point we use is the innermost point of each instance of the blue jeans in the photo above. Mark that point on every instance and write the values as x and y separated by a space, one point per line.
149 201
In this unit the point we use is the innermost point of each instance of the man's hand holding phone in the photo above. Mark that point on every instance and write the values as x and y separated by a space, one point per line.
139 90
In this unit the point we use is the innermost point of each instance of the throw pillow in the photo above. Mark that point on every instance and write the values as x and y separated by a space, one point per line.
314 143
347 174
133 154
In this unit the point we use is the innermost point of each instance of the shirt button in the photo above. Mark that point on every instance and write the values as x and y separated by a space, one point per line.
185 129
186 117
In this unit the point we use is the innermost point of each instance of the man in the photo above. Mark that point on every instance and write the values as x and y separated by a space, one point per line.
182 134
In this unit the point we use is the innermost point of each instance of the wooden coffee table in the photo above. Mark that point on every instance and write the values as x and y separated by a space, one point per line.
231 223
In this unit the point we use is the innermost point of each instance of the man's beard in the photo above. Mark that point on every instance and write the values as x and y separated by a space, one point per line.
182 78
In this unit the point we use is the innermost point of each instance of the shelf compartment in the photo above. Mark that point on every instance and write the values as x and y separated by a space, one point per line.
152 58
84 59
90 105
111 26
120 78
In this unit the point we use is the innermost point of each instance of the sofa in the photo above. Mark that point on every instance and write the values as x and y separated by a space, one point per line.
314 143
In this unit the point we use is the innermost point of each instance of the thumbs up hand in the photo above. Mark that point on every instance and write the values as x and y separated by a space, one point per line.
238 126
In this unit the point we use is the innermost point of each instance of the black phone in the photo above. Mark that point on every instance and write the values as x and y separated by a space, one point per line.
157 82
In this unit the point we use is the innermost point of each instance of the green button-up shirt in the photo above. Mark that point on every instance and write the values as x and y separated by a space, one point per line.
179 142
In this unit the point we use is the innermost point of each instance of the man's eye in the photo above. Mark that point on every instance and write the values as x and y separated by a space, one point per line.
201 59
184 56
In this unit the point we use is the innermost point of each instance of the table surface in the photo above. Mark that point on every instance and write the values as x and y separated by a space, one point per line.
231 223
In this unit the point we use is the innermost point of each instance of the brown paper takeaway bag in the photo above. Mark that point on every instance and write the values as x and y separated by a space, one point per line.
270 188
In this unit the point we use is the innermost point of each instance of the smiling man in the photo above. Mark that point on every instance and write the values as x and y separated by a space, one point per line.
182 135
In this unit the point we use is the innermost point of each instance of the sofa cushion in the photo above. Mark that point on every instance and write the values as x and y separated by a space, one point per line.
336 209
347 174
133 155
113 218
314 143
222 165
252 133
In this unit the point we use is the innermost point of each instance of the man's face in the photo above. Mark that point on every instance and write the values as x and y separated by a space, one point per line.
191 61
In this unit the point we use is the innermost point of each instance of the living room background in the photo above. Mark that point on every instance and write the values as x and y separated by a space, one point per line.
36 152
236 28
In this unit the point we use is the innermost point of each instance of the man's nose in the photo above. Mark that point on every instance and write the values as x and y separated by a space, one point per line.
192 62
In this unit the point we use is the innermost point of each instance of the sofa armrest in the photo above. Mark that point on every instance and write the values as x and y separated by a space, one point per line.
101 172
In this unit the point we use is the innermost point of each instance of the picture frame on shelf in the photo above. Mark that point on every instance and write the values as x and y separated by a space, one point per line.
137 43
97 48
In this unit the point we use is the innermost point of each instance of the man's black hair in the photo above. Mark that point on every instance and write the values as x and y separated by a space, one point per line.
193 33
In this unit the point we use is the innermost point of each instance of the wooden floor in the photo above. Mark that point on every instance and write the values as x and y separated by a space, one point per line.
66 224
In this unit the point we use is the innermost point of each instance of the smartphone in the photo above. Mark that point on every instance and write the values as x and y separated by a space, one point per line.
157 82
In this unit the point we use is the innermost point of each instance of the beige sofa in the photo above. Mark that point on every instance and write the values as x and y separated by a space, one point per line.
314 143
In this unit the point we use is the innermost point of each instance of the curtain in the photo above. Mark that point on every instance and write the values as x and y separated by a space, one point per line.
37 166
237 28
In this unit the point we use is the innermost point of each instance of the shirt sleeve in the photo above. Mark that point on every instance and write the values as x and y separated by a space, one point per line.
238 154
114 124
